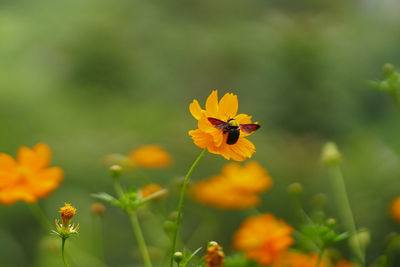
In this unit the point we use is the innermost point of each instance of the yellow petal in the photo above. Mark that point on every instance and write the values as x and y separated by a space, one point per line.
243 118
212 104
228 106
7 163
195 109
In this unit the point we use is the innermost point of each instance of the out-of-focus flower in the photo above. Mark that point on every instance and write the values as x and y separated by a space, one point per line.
296 259
235 188
214 139
151 189
395 209
214 255
330 154
263 238
97 208
29 177
65 228
150 156
116 159
345 263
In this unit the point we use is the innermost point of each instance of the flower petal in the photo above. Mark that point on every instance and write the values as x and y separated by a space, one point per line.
212 104
195 109
37 158
7 163
243 118
228 106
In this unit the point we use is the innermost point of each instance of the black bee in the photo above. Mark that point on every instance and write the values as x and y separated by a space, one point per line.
232 127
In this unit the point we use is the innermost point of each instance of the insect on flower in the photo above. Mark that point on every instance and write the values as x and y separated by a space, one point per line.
233 128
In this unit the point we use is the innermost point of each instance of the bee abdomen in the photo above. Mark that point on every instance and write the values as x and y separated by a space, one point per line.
233 136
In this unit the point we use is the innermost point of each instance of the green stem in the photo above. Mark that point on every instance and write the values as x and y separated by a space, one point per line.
40 217
320 255
140 239
343 204
62 252
135 227
182 196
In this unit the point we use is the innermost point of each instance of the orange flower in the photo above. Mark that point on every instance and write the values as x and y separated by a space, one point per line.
235 188
151 189
65 228
150 156
208 136
295 259
215 255
345 263
263 238
29 177
395 209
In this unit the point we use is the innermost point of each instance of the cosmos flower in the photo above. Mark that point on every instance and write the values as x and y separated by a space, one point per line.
214 255
214 139
263 238
395 209
151 190
237 187
150 156
29 177
296 259
65 228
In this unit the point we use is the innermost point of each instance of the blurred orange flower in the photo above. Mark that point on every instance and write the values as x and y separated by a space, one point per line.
151 189
395 209
29 177
214 255
263 238
235 188
296 259
208 136
150 156
345 263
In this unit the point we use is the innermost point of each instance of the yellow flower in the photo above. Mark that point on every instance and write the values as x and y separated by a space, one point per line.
235 188
263 238
65 228
151 190
214 139
395 209
29 177
214 255
296 259
150 156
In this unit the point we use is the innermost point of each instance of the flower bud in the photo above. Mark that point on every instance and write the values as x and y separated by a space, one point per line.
174 215
388 69
363 238
178 257
331 222
319 200
115 171
295 189
169 226
330 154
97 208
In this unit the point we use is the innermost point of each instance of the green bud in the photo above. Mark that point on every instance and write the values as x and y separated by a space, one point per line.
331 222
115 171
212 244
173 215
178 256
388 69
363 238
295 189
319 200
169 226
330 154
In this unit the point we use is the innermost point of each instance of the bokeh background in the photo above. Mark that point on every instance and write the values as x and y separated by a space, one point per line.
90 78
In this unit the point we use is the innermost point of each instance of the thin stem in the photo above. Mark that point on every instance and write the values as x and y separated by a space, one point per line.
40 217
135 227
140 239
62 252
344 207
182 197
320 255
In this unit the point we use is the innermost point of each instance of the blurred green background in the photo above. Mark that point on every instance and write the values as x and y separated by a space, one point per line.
91 78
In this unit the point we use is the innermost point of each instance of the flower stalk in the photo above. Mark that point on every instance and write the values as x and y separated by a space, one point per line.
180 204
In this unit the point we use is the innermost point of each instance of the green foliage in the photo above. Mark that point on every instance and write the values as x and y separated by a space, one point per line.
239 260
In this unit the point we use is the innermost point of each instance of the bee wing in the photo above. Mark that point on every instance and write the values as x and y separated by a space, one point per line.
217 123
249 128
